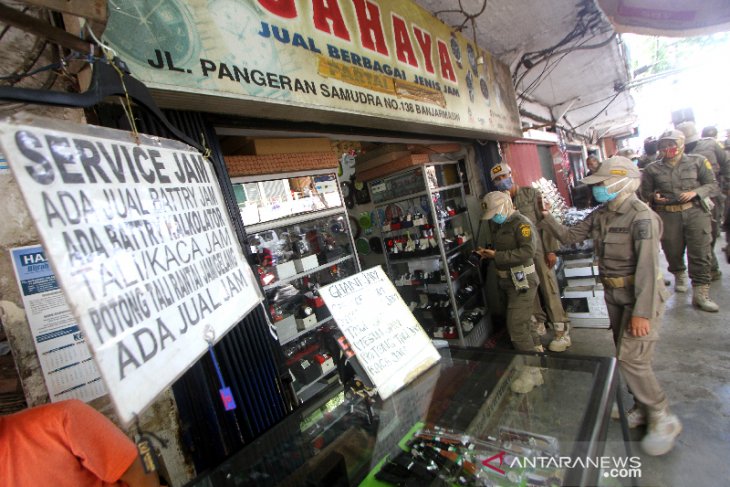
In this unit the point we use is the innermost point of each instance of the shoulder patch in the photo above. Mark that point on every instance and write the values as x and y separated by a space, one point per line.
526 230
642 229
708 165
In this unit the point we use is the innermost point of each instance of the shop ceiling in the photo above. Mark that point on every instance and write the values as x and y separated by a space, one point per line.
568 65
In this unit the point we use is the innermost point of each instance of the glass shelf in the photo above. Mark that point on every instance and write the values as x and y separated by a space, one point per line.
445 188
306 273
308 330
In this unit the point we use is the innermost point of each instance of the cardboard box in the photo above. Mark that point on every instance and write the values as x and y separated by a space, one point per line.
580 268
306 371
262 147
286 329
437 148
306 323
306 263
394 166
582 281
286 269
378 157
586 306
280 163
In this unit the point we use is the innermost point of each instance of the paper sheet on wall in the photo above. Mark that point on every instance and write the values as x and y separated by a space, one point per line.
68 368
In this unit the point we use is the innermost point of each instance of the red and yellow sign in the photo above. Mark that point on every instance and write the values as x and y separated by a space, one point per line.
388 61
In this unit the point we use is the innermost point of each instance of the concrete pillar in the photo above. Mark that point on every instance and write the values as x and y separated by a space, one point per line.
17 229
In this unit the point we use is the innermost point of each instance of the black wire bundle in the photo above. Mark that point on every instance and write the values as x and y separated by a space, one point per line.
589 22
40 46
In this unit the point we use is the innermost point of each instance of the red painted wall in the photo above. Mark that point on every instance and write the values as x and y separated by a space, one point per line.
524 161
609 147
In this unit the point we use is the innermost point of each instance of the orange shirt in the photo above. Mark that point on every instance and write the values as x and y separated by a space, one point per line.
64 444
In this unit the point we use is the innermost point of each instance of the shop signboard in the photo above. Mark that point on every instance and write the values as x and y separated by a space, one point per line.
388 342
139 239
391 62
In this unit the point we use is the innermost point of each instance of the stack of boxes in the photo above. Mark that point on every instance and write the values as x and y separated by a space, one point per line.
583 296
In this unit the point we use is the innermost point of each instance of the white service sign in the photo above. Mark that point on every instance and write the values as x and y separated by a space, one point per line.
388 341
141 243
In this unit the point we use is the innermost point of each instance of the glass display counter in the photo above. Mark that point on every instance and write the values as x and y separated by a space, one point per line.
459 423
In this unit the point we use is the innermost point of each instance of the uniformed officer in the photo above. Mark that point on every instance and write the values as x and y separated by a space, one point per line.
626 235
528 201
592 164
629 154
710 149
514 241
679 186
650 150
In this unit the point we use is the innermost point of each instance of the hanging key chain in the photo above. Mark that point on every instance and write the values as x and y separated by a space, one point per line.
145 448
226 395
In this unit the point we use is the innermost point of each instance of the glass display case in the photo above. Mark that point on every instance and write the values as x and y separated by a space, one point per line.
427 240
459 423
299 236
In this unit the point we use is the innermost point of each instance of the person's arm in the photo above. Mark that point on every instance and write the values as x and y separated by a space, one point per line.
135 476
524 235
708 184
101 447
646 190
568 235
646 232
549 243
724 164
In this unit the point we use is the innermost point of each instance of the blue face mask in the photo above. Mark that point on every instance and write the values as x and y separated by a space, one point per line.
601 194
504 185
499 218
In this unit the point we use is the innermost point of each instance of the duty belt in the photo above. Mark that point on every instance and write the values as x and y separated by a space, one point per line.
675 208
530 269
618 282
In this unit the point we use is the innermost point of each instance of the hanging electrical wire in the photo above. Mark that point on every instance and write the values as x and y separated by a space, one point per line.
599 112
468 17
589 21
550 67
40 46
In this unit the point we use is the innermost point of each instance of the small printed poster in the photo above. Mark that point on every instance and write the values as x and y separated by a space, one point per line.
68 367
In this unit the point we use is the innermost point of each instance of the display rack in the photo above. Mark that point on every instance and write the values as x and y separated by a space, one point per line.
299 234
427 239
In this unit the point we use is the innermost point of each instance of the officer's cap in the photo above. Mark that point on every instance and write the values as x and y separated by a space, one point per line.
613 167
494 202
627 153
674 135
689 129
499 170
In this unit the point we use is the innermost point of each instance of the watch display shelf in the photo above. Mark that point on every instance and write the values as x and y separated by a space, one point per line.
294 253
427 237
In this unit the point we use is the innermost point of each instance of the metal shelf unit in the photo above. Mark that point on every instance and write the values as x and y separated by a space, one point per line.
443 253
